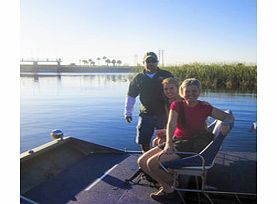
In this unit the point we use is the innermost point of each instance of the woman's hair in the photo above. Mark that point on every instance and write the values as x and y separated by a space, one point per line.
188 82
171 80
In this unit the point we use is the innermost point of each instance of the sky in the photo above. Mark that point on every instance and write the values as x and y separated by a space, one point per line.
182 31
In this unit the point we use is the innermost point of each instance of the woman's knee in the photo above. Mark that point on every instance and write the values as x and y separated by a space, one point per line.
152 164
141 160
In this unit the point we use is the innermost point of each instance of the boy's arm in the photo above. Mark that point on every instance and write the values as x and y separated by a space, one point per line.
129 107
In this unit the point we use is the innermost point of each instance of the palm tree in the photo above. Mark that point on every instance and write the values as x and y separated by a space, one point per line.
85 61
113 62
98 59
90 60
104 58
119 62
108 61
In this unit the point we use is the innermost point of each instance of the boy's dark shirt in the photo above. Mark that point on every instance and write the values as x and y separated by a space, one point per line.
150 91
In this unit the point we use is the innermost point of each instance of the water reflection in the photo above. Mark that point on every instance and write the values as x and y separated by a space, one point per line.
101 78
104 78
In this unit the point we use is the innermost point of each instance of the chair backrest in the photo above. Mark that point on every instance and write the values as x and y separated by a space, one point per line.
208 153
211 150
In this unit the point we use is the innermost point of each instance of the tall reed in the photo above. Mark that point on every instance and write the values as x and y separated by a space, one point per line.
231 77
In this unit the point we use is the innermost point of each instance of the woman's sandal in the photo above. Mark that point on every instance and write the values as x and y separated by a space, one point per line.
161 195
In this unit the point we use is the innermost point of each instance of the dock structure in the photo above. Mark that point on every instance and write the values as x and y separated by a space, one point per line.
36 61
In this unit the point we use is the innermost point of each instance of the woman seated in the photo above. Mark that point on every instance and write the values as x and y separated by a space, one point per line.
186 132
170 90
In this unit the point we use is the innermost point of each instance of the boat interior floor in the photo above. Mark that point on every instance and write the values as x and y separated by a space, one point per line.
99 178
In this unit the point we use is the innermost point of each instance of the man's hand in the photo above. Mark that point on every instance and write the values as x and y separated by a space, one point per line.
128 119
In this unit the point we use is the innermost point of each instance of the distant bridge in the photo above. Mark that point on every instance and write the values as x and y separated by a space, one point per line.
36 61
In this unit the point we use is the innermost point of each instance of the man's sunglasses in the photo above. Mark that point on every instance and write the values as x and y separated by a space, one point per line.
151 61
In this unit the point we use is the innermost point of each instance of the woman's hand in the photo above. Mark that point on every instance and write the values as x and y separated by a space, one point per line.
226 118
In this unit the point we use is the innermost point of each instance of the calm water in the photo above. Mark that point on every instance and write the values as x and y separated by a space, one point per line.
90 107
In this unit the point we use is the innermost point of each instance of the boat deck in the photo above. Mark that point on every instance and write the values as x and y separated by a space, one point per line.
99 178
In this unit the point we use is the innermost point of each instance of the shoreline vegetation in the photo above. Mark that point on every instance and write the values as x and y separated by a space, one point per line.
229 77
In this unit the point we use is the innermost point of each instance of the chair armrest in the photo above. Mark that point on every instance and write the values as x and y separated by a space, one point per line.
230 123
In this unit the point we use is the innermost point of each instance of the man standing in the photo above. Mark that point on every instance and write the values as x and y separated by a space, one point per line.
149 88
